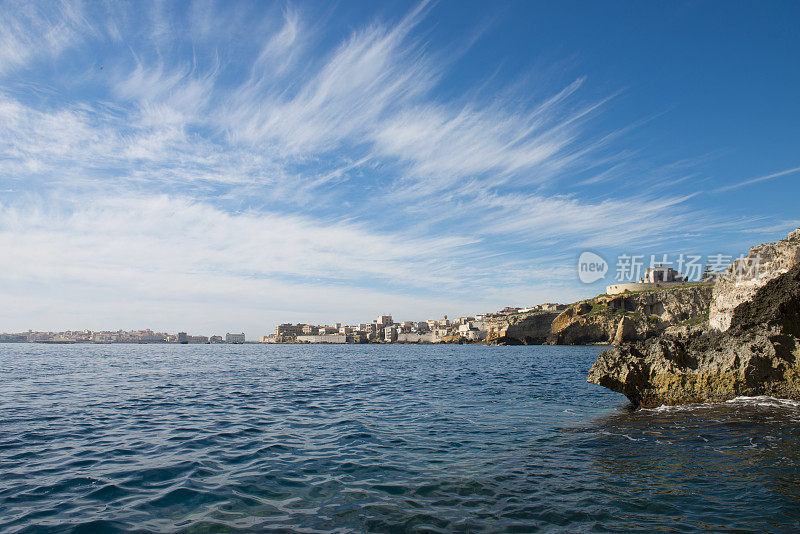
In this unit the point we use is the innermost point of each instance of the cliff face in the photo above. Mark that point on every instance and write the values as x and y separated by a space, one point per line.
629 316
520 329
751 349
603 319
762 264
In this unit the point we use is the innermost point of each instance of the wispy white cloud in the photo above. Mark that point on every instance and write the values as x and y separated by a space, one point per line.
335 104
758 179
201 162
582 223
281 48
30 31
164 251
90 234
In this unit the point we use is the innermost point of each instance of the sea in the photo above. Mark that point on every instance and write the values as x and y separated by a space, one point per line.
374 438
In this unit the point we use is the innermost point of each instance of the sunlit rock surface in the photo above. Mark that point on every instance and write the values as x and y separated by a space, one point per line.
629 316
751 348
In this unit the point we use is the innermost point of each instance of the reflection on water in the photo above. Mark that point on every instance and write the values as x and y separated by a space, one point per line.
366 438
727 465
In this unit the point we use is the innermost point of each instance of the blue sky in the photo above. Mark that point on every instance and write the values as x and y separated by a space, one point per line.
227 166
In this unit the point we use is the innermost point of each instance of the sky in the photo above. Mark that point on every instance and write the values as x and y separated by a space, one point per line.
219 167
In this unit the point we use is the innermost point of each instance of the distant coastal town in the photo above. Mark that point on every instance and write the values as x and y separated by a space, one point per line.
491 327
115 336
383 329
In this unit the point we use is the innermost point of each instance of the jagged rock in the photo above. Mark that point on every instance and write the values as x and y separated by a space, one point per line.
598 320
626 331
648 313
756 353
530 328
762 264
584 330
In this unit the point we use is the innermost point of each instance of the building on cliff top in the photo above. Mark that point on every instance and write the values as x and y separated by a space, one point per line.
660 277
654 275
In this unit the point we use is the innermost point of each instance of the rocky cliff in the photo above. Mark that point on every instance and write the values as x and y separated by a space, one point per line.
604 319
747 275
532 328
749 346
629 316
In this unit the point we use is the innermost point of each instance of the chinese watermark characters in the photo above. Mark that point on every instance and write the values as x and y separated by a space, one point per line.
657 268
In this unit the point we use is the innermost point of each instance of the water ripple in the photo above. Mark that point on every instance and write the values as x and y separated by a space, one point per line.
373 438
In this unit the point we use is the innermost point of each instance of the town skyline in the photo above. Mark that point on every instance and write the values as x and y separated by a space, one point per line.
374 331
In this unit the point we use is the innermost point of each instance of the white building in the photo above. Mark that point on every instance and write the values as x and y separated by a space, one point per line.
654 275
390 334
654 278
234 338
471 331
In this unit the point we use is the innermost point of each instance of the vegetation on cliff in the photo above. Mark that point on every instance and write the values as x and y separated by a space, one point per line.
604 319
628 316
749 347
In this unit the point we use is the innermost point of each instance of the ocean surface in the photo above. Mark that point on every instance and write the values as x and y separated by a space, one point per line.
397 438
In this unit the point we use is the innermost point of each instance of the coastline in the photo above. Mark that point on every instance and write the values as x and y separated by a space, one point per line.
746 346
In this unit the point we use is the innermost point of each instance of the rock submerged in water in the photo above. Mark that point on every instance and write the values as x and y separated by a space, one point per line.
750 346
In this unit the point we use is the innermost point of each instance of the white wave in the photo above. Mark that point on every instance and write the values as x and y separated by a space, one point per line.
675 407
764 400
760 400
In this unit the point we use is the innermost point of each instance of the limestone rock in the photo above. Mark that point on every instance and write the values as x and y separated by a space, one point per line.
597 320
756 354
648 313
626 331
531 328
744 278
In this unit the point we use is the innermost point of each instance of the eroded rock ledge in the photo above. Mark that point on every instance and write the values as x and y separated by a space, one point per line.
605 318
751 348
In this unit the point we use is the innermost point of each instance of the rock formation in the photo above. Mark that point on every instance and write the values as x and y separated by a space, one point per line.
531 328
603 319
748 347
762 264
629 316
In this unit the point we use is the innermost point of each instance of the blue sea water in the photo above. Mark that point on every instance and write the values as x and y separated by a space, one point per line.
396 438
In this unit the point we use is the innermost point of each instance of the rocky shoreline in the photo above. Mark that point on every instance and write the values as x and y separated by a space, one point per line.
748 346
605 319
